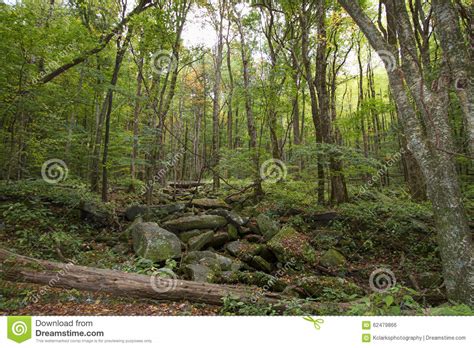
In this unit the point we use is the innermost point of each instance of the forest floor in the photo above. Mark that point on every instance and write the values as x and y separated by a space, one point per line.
377 252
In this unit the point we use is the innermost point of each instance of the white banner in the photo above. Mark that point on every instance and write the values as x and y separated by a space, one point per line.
236 332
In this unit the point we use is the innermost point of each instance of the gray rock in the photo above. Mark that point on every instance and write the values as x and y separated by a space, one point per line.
261 264
242 249
289 245
332 259
232 231
219 239
267 226
213 260
153 212
187 235
126 235
199 273
231 216
200 241
203 222
207 203
96 213
155 243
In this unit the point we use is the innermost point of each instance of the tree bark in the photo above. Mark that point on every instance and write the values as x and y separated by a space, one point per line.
20 268
430 146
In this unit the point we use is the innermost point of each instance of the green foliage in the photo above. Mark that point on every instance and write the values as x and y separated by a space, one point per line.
460 309
389 221
233 306
392 302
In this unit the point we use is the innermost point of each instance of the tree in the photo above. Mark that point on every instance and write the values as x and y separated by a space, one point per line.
429 138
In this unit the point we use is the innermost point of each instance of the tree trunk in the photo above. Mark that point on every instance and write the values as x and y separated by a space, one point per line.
248 109
121 48
20 268
430 146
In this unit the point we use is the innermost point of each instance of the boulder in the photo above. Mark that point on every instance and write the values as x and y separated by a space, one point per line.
260 279
155 243
187 235
219 239
261 264
202 222
199 273
231 216
242 249
232 232
267 226
213 260
200 241
288 244
153 212
208 203
332 259
96 213
126 235
315 286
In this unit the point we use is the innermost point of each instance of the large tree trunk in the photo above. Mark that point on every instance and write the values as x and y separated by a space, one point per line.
24 269
431 146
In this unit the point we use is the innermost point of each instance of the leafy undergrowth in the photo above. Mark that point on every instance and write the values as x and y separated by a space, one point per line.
376 230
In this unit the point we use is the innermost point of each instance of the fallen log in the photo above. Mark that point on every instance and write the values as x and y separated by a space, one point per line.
24 269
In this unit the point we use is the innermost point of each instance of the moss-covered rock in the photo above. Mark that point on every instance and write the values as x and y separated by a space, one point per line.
202 222
153 212
211 259
288 244
332 259
261 264
267 226
243 249
200 241
200 273
155 243
315 286
210 203
259 279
